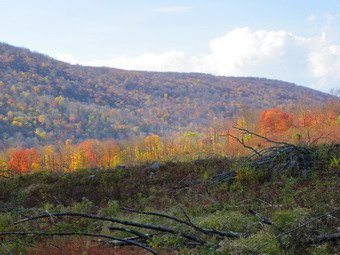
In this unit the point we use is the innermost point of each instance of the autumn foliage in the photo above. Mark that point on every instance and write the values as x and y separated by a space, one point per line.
106 154
24 161
275 120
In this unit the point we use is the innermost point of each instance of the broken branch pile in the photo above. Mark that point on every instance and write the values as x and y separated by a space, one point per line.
282 157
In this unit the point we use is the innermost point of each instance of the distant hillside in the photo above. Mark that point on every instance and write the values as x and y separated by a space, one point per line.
43 100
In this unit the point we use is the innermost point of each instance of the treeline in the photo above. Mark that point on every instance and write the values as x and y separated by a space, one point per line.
304 127
43 100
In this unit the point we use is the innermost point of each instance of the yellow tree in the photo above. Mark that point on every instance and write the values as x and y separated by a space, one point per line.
153 146
50 159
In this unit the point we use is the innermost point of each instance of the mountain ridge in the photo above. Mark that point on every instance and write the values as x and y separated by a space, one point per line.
44 100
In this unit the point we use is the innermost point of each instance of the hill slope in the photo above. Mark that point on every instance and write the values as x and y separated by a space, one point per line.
43 100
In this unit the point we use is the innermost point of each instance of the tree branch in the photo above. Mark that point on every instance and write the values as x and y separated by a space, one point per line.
327 238
129 223
265 220
297 228
132 231
244 145
262 137
170 218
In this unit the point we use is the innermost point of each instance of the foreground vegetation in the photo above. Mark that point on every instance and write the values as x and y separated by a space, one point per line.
243 205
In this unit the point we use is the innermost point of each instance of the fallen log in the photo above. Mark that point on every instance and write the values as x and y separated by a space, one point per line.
123 222
208 232
327 238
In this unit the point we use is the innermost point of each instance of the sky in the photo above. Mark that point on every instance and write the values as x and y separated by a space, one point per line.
291 40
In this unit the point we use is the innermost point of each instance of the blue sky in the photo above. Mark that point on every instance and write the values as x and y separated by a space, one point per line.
292 40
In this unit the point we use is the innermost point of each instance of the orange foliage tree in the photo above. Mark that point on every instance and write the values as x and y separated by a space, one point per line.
275 120
316 118
93 153
24 161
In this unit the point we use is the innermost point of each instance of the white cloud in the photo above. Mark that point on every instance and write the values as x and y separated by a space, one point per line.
66 58
174 9
309 61
169 61
324 66
241 51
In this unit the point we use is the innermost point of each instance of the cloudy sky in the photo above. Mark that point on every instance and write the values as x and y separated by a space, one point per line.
291 40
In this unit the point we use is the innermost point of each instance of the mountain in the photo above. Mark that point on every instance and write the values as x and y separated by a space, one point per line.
43 100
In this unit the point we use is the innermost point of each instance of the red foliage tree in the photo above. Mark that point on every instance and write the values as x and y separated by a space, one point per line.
275 120
24 161
90 151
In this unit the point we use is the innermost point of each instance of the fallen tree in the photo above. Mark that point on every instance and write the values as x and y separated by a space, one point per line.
281 157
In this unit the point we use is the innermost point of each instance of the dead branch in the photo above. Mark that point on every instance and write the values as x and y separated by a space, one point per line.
171 218
327 238
185 214
262 137
132 231
208 232
222 177
229 233
269 222
266 220
244 145
280 157
117 243
7 250
123 222
131 242
297 228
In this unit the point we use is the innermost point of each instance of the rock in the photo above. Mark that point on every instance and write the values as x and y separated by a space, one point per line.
154 166
152 174
306 173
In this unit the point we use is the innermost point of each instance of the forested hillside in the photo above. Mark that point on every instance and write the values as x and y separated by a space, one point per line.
43 100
